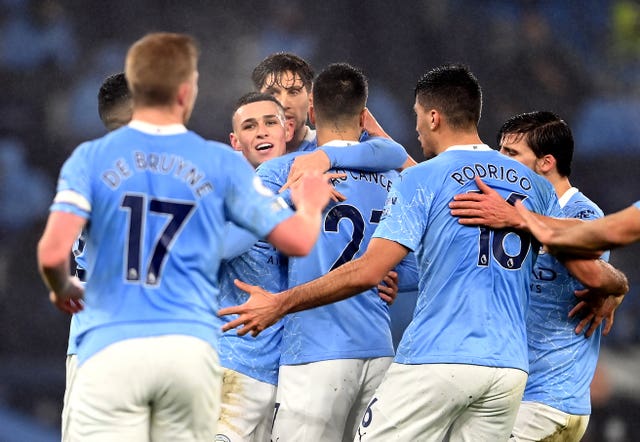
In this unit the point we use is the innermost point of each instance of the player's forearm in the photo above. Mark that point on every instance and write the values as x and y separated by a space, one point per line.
56 276
342 283
598 274
297 235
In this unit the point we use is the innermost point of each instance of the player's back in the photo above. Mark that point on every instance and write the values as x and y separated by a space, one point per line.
157 204
474 281
358 327
562 363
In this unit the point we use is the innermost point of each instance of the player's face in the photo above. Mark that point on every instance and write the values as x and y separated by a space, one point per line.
289 89
515 146
423 122
259 131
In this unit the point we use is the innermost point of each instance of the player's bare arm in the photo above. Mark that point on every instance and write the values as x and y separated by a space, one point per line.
605 289
354 277
53 260
586 239
388 287
371 125
488 208
296 235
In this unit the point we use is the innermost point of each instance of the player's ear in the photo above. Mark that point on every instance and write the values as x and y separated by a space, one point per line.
547 163
289 128
234 142
183 93
312 116
363 115
435 119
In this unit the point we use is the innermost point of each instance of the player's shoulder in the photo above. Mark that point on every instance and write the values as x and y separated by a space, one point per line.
278 164
578 205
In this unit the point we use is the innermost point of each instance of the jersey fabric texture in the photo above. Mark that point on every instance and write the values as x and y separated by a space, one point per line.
263 265
561 363
357 327
474 282
156 200
259 357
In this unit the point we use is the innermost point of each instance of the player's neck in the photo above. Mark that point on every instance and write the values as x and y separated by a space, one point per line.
560 183
160 116
458 139
298 138
326 134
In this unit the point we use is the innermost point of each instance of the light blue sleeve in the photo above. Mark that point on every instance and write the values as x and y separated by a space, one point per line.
404 218
408 273
375 154
637 204
236 241
75 176
249 203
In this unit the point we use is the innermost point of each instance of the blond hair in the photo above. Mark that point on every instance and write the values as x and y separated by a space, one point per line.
157 64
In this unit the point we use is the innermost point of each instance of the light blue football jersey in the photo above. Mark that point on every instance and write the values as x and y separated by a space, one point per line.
474 281
637 204
561 363
156 200
259 357
357 327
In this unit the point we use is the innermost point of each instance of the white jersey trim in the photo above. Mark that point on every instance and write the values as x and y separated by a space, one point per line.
564 199
472 147
74 198
340 143
153 129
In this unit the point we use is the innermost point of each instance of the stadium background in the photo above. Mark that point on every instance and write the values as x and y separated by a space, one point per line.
580 59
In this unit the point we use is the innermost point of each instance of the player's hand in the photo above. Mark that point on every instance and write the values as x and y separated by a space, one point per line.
388 287
312 193
372 126
333 177
486 208
259 312
69 300
314 162
595 307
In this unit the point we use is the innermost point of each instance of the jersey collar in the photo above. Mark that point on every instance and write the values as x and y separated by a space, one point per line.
472 147
169 129
564 199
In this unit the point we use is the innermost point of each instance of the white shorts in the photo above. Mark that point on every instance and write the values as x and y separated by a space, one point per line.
435 402
246 412
162 388
324 401
72 369
537 421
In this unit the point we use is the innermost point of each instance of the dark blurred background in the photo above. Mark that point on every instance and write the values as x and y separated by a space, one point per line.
579 58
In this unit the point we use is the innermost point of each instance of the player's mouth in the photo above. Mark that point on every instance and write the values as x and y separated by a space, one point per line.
264 146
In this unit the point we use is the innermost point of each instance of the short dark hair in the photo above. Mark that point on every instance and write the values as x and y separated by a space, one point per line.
113 93
339 91
279 63
545 133
454 91
254 97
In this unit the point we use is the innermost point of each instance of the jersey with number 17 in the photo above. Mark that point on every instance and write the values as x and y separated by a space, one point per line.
474 281
156 199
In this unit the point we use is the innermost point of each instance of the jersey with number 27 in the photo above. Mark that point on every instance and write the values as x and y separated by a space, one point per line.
156 199
474 281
